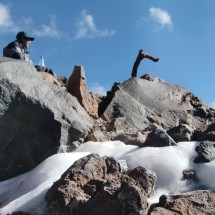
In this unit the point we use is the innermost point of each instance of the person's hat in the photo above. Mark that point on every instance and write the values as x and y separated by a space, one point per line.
22 34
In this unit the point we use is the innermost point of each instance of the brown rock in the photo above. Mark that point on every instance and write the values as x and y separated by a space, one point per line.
95 185
137 138
199 202
49 78
98 132
145 177
77 87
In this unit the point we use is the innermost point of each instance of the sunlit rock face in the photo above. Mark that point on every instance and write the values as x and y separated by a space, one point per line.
143 102
35 118
95 185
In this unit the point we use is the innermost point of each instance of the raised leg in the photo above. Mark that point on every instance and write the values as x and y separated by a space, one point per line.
141 55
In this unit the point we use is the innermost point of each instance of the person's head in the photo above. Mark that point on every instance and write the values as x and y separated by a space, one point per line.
24 39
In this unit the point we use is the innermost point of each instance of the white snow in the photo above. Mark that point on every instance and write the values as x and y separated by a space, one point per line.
27 192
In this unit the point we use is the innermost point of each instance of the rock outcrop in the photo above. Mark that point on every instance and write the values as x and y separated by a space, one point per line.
38 114
77 87
95 185
35 118
138 103
143 102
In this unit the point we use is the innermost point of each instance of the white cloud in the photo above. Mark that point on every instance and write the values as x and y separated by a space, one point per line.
212 105
27 21
161 17
97 88
86 27
48 30
6 22
8 25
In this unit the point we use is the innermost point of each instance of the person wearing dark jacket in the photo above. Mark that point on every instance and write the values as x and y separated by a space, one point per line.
18 49
141 55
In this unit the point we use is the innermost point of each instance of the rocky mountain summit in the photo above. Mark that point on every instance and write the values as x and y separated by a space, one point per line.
40 113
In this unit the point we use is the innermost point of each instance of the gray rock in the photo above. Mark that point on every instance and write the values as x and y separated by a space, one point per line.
208 134
145 177
206 152
159 138
123 105
35 118
143 102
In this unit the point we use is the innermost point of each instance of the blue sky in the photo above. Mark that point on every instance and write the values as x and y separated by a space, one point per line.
105 37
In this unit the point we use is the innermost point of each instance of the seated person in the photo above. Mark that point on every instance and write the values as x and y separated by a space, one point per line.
18 49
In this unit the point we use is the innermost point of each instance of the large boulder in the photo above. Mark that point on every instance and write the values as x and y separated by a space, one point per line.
206 152
143 102
96 185
36 117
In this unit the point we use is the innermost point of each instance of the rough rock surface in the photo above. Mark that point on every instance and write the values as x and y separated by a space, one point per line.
159 138
208 134
95 185
143 102
200 202
63 81
145 177
35 118
77 86
181 133
206 152
49 78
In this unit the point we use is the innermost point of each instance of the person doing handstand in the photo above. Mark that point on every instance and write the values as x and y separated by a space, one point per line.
140 57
